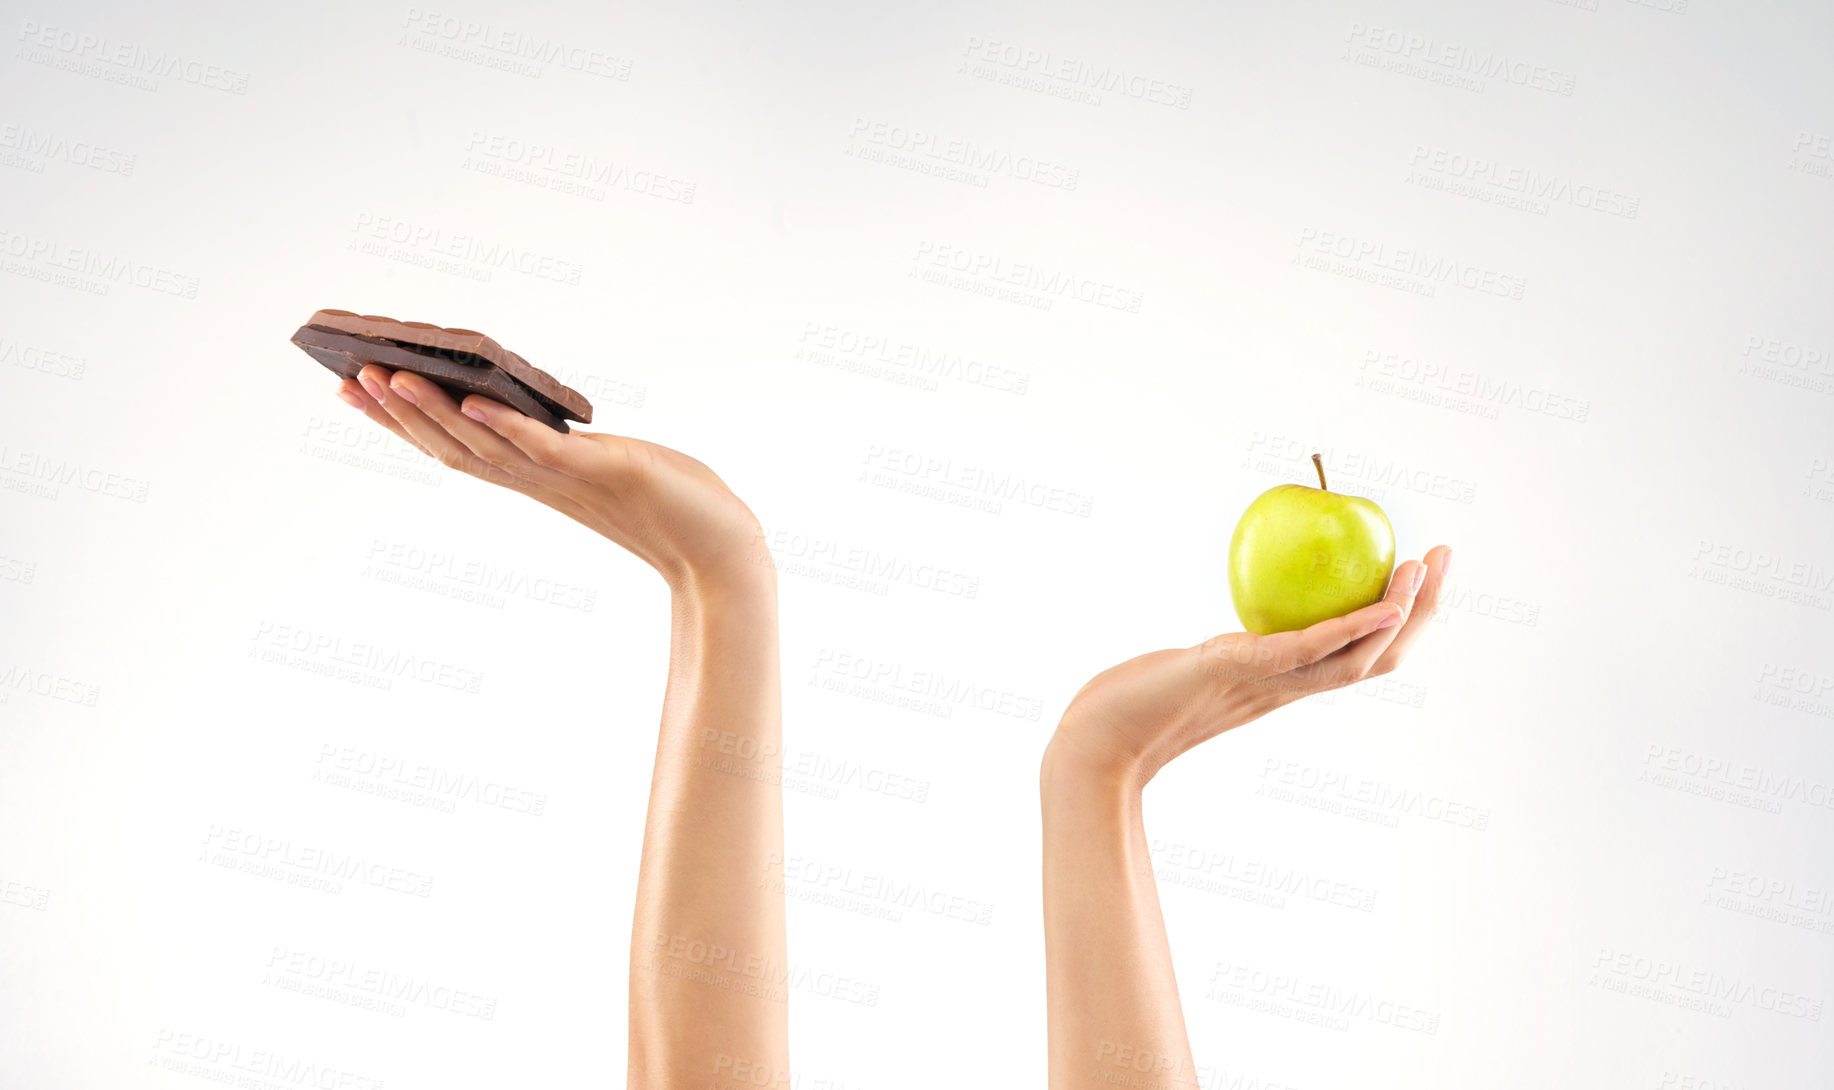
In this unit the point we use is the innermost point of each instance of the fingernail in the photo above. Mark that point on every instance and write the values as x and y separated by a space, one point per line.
1419 574
374 387
406 394
1393 619
475 413
1445 566
350 399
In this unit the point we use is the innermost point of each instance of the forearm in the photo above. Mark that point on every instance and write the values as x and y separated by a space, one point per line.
708 948
1112 997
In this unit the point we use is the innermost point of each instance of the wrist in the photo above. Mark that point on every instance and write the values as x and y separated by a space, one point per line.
747 588
731 562
724 612
1071 768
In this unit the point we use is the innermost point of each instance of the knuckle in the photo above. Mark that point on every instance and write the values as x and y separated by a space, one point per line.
495 471
1229 657
486 470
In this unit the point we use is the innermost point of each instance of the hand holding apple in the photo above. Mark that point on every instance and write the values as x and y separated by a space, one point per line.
1131 719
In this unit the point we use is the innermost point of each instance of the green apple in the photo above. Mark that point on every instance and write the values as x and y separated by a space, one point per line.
1302 555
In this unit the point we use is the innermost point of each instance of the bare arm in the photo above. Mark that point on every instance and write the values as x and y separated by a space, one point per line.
1114 1013
708 946
708 943
1113 1001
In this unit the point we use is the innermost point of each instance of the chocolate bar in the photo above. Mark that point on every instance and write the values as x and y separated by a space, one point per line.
347 354
466 346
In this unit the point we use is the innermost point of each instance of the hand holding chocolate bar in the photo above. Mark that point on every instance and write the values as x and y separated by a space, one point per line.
669 509
460 360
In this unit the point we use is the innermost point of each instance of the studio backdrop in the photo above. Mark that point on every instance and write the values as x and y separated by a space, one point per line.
998 316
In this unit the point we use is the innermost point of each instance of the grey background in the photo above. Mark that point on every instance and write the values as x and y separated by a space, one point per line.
1581 839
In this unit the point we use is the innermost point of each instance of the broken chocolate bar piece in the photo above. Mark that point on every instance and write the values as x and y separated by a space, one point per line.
347 354
468 344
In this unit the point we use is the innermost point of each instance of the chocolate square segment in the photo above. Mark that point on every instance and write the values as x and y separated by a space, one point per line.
347 354
462 345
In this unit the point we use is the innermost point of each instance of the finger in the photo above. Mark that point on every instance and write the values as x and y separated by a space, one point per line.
1420 617
359 396
1358 659
354 393
570 453
1286 651
435 440
485 445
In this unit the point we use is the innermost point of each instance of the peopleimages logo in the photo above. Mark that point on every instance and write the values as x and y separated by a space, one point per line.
930 683
1361 252
338 976
423 244
850 349
1318 1002
1660 976
1462 389
917 468
1212 871
33 470
32 148
870 890
221 1060
1452 59
391 776
1280 779
802 554
121 62
1066 76
571 171
313 859
516 50
1034 284
953 157
1532 187
87 269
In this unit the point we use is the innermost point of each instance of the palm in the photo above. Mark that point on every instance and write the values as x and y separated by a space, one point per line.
1141 714
669 509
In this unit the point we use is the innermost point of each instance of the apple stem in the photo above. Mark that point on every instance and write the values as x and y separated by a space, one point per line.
1319 464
